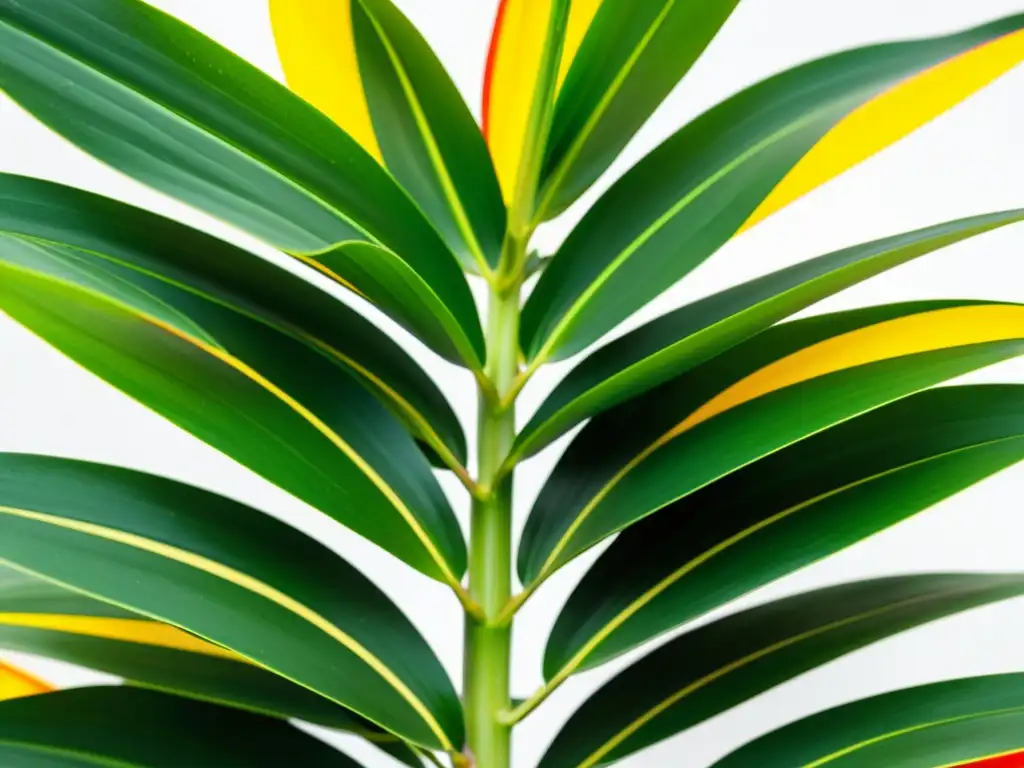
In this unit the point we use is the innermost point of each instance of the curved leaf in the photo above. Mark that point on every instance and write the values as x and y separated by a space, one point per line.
725 663
521 78
133 238
429 139
676 342
629 60
43 619
16 683
688 197
386 279
951 723
158 100
370 70
784 512
134 728
777 388
262 397
232 576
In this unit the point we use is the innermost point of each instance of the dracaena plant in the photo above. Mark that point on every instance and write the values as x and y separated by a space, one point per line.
725 446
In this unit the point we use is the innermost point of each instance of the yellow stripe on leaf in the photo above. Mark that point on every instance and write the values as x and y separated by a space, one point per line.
317 49
581 14
914 334
514 65
16 683
892 115
139 631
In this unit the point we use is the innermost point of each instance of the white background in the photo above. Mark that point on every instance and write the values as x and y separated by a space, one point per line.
970 161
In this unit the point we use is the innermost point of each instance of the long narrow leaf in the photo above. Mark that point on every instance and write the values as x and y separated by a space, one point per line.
134 728
954 723
728 662
693 193
154 98
232 576
776 389
131 237
629 59
262 397
679 340
784 512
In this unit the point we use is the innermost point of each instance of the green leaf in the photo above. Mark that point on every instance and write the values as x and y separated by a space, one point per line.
136 239
779 387
692 194
784 512
427 135
676 342
232 576
728 662
163 103
948 723
134 728
631 58
43 619
260 396
386 279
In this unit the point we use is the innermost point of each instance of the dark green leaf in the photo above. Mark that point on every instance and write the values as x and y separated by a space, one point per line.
784 512
134 728
676 342
44 619
728 662
161 248
230 575
429 139
264 398
779 387
632 56
158 100
692 194
947 723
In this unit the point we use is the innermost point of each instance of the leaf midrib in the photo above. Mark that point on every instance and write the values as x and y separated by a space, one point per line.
237 365
248 583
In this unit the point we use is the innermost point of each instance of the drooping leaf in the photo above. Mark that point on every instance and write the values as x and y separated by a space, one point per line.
134 728
133 238
784 512
679 340
154 98
522 75
262 397
43 619
779 387
234 577
952 723
725 663
16 683
692 194
631 57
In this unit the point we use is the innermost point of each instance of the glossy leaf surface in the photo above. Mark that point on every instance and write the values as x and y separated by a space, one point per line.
46 620
776 389
160 248
232 576
692 194
134 728
679 340
260 396
784 512
631 57
722 664
952 723
154 98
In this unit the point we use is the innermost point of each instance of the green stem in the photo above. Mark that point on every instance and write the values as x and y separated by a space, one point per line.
488 648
